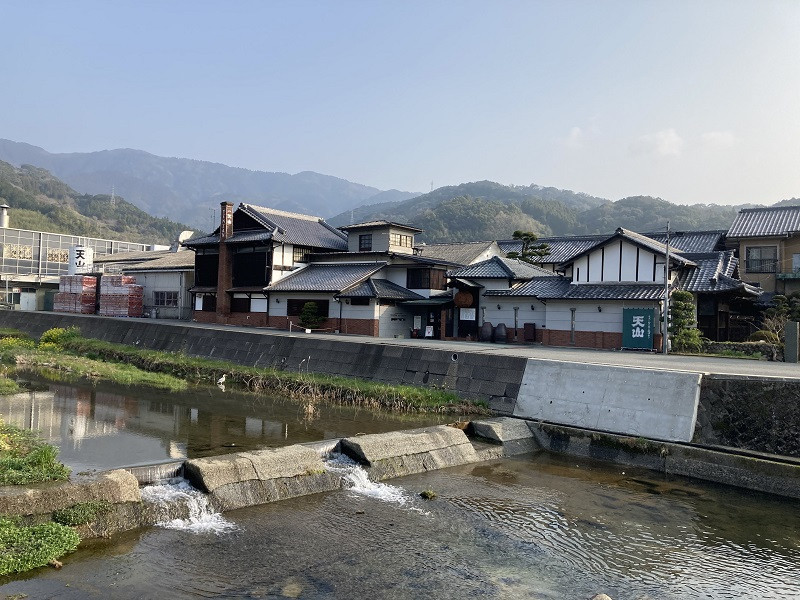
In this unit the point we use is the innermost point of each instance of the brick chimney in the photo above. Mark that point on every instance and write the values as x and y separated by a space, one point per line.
225 271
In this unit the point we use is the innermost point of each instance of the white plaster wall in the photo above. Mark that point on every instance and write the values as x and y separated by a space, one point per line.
166 281
611 266
258 305
354 312
505 314
595 265
395 275
629 262
494 284
579 269
587 317
394 321
380 239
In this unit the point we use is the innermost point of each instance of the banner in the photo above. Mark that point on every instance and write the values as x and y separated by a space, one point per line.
638 328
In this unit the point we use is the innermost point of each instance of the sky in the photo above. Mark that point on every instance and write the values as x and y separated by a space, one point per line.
693 102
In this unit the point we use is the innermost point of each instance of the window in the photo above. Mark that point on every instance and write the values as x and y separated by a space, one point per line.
240 304
250 268
295 307
299 253
365 242
209 303
762 259
426 279
205 269
165 298
397 239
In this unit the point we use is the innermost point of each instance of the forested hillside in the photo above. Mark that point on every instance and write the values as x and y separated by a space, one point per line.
486 210
41 202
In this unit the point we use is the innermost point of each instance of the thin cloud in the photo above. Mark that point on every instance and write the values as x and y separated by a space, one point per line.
575 139
666 142
718 139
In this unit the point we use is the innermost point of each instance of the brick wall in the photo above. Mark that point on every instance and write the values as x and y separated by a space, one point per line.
583 339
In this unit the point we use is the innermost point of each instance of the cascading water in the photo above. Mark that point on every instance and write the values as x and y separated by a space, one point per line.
178 497
358 482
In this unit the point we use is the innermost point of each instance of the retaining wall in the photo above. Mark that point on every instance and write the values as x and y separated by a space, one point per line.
760 414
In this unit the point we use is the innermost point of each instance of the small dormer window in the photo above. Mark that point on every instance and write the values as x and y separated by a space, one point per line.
399 239
365 242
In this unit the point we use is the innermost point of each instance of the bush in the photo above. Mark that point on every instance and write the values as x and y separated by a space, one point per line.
688 340
59 335
25 548
81 513
764 336
24 458
310 317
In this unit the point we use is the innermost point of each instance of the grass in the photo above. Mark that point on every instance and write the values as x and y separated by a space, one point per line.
8 386
24 458
25 548
329 388
81 513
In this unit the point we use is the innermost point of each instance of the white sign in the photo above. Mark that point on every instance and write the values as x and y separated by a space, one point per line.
81 260
467 314
429 331
417 322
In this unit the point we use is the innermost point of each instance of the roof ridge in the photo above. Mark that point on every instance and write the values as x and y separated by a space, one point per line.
283 213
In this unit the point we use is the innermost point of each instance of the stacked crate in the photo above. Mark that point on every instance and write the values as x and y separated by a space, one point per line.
76 294
120 296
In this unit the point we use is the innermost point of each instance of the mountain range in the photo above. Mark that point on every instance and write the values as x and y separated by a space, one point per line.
189 191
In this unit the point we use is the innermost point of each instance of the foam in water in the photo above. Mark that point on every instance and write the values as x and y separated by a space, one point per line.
201 518
358 482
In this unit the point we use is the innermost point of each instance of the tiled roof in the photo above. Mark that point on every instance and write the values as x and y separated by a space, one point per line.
204 240
500 268
325 277
380 288
765 222
562 248
294 228
715 272
690 241
372 224
639 240
172 261
462 253
560 288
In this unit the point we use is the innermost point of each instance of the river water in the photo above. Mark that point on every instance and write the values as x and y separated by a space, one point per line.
537 526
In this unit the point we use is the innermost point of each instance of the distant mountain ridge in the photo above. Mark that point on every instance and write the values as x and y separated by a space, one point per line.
486 210
188 190
41 202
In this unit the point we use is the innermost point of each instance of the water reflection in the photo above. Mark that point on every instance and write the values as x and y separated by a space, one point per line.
105 427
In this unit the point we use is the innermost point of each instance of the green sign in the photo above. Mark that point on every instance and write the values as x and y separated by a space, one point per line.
637 328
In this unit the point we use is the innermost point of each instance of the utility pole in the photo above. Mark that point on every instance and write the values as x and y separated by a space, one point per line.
666 297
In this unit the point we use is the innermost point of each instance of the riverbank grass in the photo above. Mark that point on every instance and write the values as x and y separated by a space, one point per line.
24 548
328 388
25 458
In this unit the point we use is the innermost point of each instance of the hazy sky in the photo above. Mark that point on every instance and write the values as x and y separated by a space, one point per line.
691 101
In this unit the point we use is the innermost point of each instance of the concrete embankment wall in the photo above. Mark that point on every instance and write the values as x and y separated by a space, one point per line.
759 414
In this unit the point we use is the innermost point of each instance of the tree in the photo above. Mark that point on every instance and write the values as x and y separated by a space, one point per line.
531 251
683 326
310 317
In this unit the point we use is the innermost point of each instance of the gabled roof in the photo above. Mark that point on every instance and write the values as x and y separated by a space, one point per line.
295 228
373 224
279 226
715 273
690 241
499 268
326 277
463 253
380 288
636 239
765 222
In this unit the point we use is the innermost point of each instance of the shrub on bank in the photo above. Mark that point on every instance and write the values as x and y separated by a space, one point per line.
25 458
25 548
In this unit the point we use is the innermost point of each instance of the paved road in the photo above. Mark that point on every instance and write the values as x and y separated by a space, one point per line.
648 360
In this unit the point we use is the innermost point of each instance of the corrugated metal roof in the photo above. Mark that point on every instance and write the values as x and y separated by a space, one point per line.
325 277
765 222
380 288
461 253
500 268
173 261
